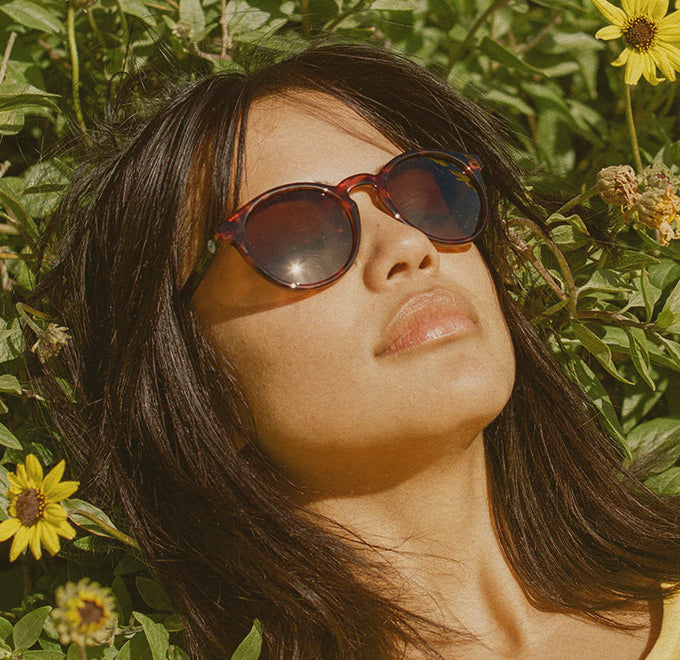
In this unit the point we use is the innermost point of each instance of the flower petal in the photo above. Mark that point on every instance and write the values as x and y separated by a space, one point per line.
22 477
649 69
634 67
20 542
34 469
50 539
54 513
631 7
609 32
610 12
8 528
61 491
65 530
664 63
54 476
34 541
622 58
672 53
669 27
657 8
16 484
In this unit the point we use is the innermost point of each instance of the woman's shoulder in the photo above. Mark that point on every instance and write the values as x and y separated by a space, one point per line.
667 646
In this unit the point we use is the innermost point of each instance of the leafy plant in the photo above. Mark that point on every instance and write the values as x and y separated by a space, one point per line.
600 285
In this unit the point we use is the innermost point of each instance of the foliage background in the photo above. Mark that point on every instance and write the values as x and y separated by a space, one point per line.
612 315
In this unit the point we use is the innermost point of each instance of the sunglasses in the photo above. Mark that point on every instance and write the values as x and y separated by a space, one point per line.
306 235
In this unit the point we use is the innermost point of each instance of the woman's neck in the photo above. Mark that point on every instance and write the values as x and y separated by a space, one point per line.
436 530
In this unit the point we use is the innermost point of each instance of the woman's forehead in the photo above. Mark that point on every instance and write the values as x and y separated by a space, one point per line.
308 136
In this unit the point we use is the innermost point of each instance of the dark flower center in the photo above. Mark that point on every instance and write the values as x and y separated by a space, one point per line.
639 33
91 614
30 506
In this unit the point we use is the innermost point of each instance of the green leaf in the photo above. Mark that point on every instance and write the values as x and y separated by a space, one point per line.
176 653
129 564
138 9
660 435
396 5
12 121
670 313
10 384
156 635
14 206
8 439
502 55
574 220
598 395
28 628
650 294
153 594
42 655
665 483
191 13
5 628
33 15
598 349
639 354
123 598
672 350
250 647
136 648
73 505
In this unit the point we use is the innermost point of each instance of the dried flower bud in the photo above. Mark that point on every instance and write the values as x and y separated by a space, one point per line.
618 186
658 176
183 30
50 341
659 209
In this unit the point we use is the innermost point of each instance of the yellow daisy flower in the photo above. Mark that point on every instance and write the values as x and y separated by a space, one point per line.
652 39
36 517
85 614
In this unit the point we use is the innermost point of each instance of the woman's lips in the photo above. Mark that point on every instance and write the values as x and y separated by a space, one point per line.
431 316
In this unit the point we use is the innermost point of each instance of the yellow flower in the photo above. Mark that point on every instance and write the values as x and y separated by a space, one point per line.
85 614
36 517
652 39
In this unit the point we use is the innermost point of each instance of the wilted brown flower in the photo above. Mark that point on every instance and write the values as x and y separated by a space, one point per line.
658 176
617 185
659 209
50 341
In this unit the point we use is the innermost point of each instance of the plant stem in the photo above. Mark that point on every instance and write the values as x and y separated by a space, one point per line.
5 57
631 130
561 260
82 652
225 40
344 14
465 44
529 255
75 67
583 197
95 28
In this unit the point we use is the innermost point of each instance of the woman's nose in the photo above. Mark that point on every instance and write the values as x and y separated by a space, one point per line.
390 250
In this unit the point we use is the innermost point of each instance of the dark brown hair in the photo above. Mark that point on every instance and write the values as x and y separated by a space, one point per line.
157 411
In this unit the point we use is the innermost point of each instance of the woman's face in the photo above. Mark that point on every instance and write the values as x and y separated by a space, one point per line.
398 365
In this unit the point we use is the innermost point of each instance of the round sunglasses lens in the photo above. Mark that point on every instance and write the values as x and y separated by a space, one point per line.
301 237
436 196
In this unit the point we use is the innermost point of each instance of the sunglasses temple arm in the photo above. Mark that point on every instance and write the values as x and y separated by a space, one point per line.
202 265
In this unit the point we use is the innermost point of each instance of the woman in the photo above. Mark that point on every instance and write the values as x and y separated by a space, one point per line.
335 419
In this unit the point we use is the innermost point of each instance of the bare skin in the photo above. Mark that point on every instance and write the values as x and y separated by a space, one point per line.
378 439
